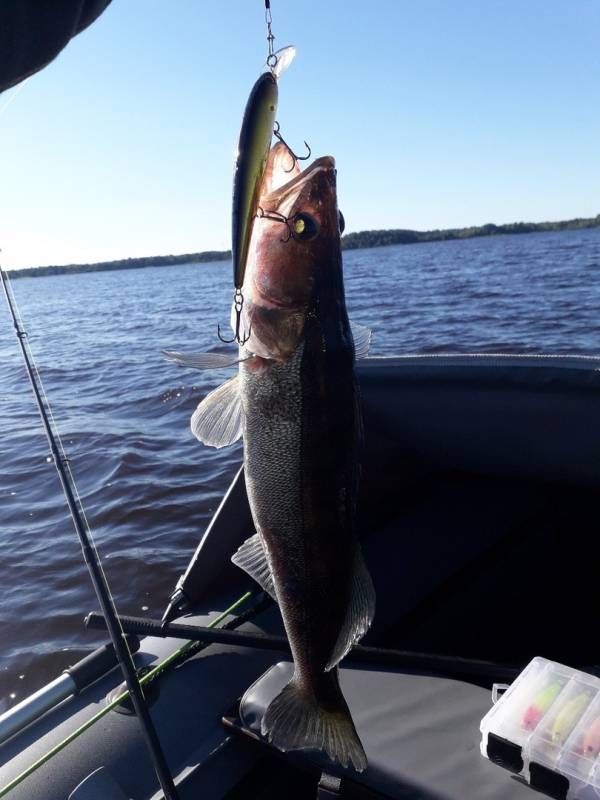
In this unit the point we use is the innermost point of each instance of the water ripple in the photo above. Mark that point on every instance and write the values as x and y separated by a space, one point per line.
148 487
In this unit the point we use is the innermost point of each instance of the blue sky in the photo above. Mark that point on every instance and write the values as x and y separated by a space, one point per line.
439 114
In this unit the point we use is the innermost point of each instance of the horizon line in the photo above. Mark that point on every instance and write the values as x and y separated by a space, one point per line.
347 240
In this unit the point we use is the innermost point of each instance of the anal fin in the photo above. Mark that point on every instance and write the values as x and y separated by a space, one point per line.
361 610
252 558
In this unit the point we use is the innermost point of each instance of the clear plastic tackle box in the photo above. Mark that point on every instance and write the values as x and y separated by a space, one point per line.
546 728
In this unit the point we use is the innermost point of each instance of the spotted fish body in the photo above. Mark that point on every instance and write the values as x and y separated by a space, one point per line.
296 403
302 430
300 425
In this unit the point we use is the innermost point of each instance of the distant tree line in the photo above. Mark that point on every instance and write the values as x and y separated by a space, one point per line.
125 263
352 241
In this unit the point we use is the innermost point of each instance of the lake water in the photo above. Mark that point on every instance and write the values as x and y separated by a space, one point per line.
149 488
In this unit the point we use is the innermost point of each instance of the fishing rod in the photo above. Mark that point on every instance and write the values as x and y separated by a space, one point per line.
90 554
448 665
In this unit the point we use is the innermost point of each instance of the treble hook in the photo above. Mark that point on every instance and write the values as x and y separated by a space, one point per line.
238 302
295 158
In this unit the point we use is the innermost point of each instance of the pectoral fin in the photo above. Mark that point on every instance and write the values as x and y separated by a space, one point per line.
218 420
362 339
202 360
361 611
252 558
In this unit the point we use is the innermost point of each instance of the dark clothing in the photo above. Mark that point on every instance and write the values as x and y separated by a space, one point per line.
33 32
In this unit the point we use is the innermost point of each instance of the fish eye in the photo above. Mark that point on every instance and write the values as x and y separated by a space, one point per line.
342 221
304 227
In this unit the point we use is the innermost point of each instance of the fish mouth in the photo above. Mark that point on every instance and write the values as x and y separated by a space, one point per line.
284 190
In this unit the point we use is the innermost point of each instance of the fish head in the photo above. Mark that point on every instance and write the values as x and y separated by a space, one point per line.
294 255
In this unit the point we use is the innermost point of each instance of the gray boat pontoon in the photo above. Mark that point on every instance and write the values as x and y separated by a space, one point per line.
478 515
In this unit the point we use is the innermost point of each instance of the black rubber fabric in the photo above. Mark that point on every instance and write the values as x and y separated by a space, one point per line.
33 32
329 787
421 734
100 784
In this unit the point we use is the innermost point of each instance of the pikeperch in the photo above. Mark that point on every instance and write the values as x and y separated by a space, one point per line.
297 405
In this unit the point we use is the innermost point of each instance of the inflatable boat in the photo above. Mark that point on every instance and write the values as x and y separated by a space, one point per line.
478 515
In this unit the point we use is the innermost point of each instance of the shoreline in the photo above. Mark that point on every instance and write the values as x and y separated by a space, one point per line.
352 241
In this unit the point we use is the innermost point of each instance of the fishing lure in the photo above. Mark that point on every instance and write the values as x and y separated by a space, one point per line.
252 152
567 717
540 704
253 149
591 739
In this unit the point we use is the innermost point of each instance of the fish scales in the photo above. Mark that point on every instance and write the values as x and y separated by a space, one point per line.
299 465
296 404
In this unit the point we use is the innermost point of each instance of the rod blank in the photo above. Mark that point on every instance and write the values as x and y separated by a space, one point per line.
91 559
429 662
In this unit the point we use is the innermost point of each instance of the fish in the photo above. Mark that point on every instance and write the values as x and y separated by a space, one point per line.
296 403
540 704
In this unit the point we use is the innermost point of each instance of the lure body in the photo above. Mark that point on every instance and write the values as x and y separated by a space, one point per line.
591 739
253 150
540 704
567 717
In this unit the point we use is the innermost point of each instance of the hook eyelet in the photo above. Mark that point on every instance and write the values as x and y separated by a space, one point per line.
238 302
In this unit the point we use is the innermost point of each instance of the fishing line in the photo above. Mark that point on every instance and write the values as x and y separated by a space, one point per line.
271 58
89 550
22 334
11 97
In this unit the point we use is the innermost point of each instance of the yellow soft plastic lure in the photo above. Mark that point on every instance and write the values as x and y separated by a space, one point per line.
540 704
567 717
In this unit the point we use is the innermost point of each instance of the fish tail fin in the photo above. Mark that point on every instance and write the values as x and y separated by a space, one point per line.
298 719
